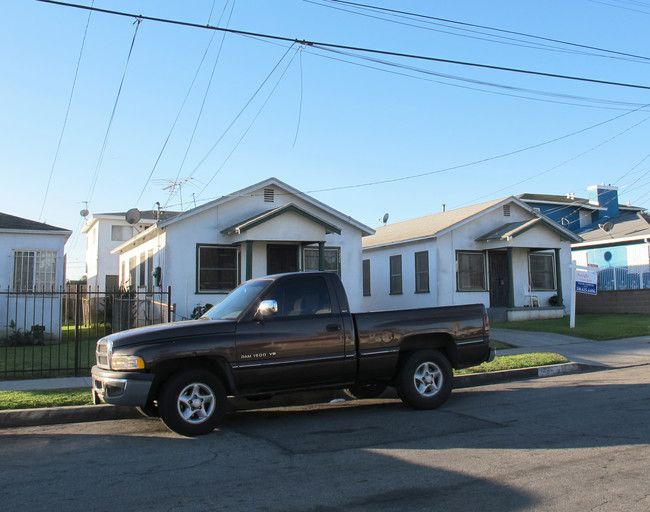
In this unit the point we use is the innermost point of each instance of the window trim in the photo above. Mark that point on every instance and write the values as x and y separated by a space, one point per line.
422 271
550 256
198 289
395 278
484 287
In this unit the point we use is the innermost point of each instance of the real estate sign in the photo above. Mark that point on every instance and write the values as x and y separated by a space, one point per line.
587 280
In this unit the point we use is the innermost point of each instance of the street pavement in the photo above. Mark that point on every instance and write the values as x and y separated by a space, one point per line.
585 355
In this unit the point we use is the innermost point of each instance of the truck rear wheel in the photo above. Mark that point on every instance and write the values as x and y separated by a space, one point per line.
425 379
192 402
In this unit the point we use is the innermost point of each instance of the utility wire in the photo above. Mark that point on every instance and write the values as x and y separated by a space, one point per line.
110 122
322 45
483 27
67 113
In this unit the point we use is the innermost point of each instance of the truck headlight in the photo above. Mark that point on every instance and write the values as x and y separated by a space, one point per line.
127 363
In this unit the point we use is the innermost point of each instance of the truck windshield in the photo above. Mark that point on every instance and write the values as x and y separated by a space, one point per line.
237 301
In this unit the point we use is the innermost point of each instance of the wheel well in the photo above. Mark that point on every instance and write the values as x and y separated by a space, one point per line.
166 369
439 341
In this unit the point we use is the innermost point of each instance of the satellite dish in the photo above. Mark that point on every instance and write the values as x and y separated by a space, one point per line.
84 212
133 216
607 227
385 218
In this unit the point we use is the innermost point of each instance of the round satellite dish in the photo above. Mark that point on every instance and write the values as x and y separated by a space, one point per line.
385 218
84 213
607 227
133 216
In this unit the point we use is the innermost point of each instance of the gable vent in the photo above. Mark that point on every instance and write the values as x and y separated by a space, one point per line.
269 195
506 210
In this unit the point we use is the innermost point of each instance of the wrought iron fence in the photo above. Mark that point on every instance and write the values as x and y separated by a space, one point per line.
54 333
636 277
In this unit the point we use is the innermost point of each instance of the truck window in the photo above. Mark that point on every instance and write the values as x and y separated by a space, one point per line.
302 297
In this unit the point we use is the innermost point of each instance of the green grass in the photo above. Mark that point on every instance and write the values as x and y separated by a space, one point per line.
596 327
11 400
515 362
42 361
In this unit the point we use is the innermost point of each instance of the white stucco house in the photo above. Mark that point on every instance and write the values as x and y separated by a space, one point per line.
104 232
32 266
267 228
501 253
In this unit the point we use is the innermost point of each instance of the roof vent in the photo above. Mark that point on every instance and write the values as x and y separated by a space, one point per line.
506 210
269 195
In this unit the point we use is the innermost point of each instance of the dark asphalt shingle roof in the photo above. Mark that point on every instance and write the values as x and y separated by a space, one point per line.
20 224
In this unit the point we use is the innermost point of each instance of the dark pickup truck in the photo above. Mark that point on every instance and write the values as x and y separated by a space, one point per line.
286 333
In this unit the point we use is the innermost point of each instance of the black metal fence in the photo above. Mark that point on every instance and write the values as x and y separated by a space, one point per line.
54 333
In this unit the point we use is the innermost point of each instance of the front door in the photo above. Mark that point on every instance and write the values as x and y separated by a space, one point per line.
499 279
281 258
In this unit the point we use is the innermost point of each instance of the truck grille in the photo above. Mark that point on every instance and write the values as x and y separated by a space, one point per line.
103 353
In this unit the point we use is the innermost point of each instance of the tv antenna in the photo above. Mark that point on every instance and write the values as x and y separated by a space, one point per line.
173 185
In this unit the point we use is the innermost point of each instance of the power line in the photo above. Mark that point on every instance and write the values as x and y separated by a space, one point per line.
483 27
322 45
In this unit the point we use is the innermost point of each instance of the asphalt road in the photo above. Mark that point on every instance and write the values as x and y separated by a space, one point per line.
568 443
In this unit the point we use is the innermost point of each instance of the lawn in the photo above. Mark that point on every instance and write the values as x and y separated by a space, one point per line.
596 327
515 362
45 398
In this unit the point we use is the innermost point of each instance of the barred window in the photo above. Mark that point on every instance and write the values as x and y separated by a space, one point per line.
34 271
542 271
216 269
332 257
470 274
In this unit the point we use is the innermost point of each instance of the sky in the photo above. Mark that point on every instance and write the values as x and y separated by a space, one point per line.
453 104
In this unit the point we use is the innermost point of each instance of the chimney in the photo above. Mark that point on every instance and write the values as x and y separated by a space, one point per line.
605 196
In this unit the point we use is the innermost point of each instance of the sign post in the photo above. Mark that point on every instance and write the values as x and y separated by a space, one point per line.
585 280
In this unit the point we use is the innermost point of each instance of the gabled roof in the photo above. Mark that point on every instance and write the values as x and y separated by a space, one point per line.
514 229
146 217
623 228
435 225
259 189
13 223
276 212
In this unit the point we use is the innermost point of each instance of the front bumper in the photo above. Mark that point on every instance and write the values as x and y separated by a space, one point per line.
121 388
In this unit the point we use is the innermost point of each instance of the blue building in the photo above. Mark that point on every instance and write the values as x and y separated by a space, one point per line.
615 236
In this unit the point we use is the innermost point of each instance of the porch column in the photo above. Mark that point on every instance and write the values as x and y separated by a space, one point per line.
558 274
249 259
511 280
321 255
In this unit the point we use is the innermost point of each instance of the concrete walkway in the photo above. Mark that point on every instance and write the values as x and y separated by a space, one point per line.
610 354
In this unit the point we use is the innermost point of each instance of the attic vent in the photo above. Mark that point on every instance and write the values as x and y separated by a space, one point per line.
269 195
506 210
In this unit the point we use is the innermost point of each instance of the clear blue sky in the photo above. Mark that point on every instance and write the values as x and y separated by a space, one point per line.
400 138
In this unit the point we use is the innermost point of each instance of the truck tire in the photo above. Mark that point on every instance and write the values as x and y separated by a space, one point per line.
362 391
425 379
192 402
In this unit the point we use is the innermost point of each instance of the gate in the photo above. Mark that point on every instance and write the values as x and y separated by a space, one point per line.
54 333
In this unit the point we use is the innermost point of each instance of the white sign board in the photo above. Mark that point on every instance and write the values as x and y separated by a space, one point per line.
587 280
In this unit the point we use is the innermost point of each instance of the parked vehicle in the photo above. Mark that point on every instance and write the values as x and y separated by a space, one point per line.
286 333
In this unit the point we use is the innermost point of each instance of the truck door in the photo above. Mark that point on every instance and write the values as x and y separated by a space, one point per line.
302 345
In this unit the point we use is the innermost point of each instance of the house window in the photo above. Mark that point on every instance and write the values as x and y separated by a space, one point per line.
366 277
332 257
541 267
396 274
34 271
422 272
121 233
470 273
216 269
142 270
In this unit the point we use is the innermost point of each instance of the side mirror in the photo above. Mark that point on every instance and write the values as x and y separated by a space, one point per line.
266 308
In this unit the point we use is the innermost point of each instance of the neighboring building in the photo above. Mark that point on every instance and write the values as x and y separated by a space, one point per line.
264 229
615 237
104 232
500 253
33 261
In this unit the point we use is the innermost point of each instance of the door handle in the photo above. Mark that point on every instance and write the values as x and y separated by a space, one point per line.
333 327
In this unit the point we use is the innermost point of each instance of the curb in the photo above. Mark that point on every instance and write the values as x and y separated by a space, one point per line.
87 413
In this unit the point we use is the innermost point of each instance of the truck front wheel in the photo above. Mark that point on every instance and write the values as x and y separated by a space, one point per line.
192 403
425 379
